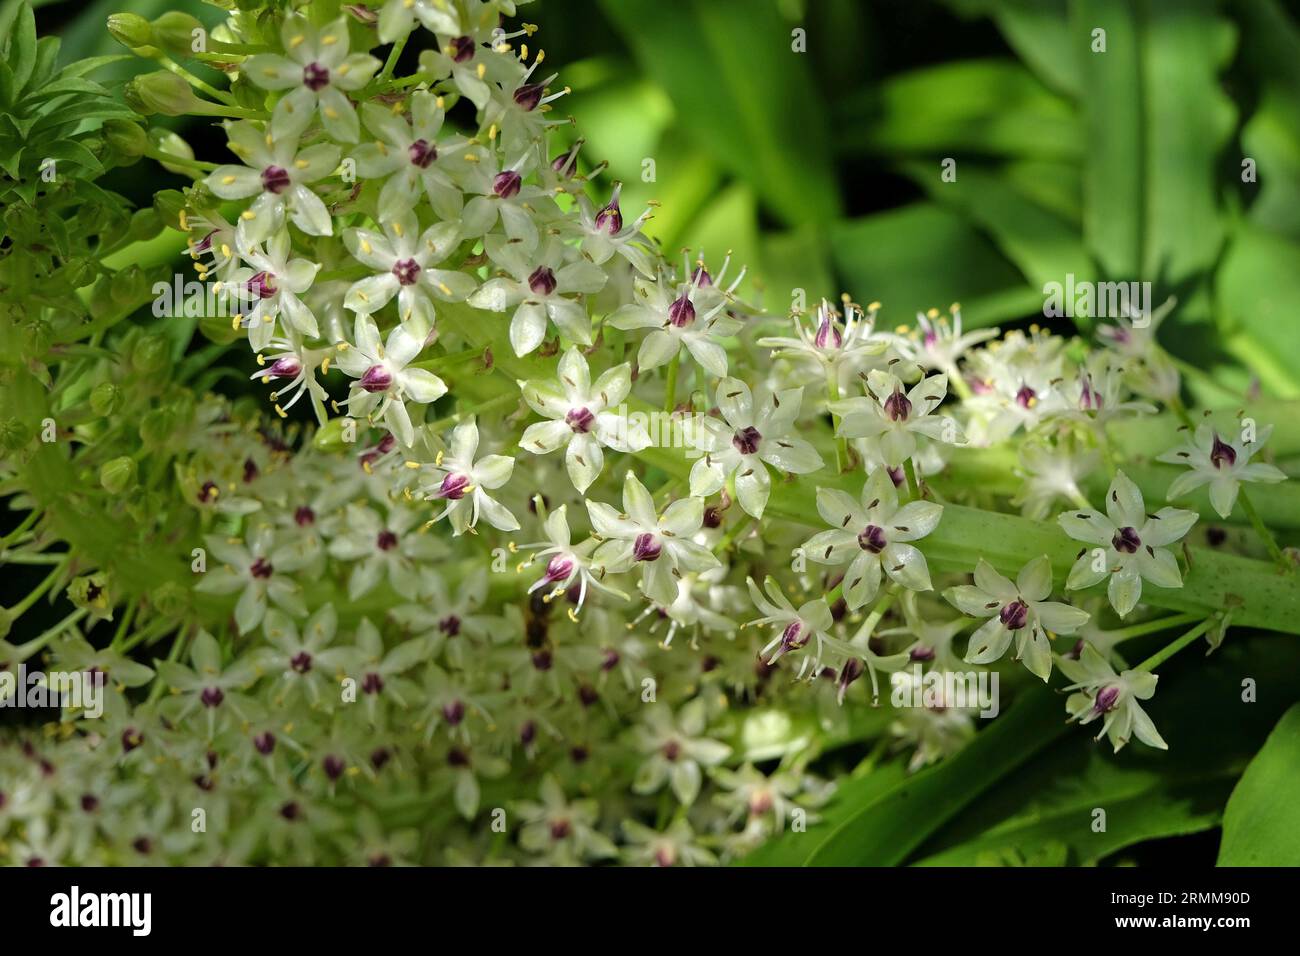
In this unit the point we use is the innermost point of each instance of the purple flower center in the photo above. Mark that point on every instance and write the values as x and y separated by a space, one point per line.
1106 698
746 440
610 219
333 767
922 653
261 568
386 541
580 420
701 277
672 750
609 659
646 547
304 516
560 829
542 281
681 313
528 96
422 153
872 538
897 406
407 271
1015 615
450 625
1026 397
453 487
793 636
506 184
315 77
1089 398
1222 454
558 569
372 683
131 738
542 660
377 378
453 712
207 492
262 285
264 742
284 367
212 696
460 49
1127 540
275 179
301 662
828 335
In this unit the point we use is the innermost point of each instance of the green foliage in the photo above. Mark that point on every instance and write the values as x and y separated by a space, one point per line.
1261 826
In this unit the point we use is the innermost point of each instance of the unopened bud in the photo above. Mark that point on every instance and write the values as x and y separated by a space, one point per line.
166 93
118 476
126 138
93 593
174 32
105 398
131 30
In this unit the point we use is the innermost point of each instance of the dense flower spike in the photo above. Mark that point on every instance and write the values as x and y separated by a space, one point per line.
291 629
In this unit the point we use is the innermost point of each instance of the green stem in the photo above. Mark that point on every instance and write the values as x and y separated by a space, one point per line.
124 625
1160 656
1151 627
670 386
869 625
1262 530
35 644
162 157
19 609
393 56
23 527
833 396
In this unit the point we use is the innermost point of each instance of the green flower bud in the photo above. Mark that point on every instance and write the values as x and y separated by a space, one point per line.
156 427
170 599
118 476
105 398
126 138
329 437
14 434
174 32
169 204
94 593
165 141
167 93
101 298
131 30
78 273
219 329
145 224
150 355
130 286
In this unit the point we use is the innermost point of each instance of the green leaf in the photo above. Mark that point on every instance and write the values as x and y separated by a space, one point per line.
917 258
1111 97
1043 245
1261 826
742 93
880 825
1146 794
21 55
986 107
1257 289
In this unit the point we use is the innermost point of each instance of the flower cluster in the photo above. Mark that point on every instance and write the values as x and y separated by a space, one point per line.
511 571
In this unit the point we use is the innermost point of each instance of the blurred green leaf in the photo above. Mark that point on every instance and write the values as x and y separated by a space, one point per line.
1146 794
1258 286
1261 826
986 107
920 257
1043 245
743 93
